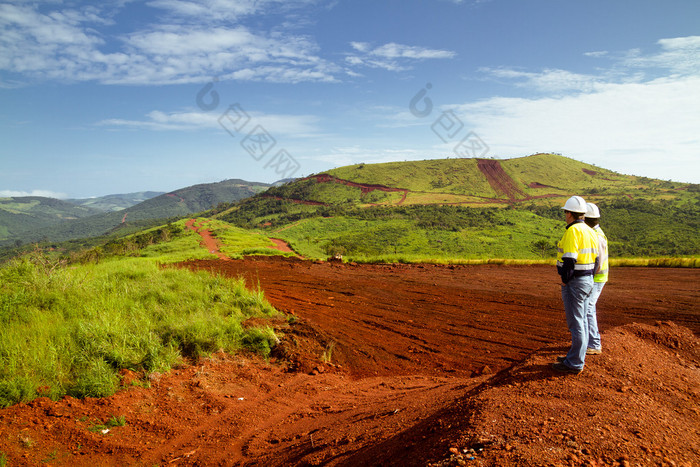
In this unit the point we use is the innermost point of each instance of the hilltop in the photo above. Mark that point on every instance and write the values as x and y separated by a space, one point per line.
543 179
468 208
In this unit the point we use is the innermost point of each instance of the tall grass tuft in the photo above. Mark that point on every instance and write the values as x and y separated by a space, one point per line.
70 329
657 262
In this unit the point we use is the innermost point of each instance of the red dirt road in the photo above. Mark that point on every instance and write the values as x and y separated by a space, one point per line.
208 241
407 365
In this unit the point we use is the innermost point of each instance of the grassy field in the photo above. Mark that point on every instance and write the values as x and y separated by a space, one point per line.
68 325
411 235
237 242
70 329
452 176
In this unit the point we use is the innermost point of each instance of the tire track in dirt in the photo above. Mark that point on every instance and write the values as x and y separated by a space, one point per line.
230 422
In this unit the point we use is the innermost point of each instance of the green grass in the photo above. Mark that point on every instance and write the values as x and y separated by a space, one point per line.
412 235
566 176
454 176
183 246
656 262
237 242
113 421
69 330
234 242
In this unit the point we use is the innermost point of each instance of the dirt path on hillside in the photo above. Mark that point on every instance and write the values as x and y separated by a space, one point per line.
406 365
212 244
364 187
208 240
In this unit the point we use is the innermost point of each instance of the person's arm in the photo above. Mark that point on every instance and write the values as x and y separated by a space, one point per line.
566 271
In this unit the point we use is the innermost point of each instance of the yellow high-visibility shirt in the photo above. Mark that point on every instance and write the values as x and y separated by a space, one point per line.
601 274
580 244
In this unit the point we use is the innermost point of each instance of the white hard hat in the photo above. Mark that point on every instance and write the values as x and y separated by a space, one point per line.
575 204
592 212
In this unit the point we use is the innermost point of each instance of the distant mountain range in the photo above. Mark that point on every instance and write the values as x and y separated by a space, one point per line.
111 203
34 218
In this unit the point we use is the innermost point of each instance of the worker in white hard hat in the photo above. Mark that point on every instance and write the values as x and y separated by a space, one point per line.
600 277
576 263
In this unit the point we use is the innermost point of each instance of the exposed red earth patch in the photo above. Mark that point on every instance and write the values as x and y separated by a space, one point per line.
208 241
406 365
281 245
499 180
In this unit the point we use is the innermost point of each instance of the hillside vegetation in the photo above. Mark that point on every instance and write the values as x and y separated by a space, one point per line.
73 325
31 227
453 209
31 213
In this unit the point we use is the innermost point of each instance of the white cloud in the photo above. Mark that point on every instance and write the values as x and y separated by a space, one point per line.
678 55
43 193
642 128
275 124
596 54
225 10
393 50
219 9
68 45
392 56
548 80
629 118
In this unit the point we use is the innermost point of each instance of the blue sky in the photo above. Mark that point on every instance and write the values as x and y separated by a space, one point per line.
120 96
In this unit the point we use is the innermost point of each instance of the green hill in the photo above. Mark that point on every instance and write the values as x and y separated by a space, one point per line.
469 208
477 182
146 214
33 213
116 202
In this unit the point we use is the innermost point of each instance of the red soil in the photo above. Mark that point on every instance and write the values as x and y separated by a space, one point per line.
499 180
281 245
424 365
208 240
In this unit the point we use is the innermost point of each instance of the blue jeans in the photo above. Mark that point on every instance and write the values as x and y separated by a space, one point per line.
591 317
575 296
